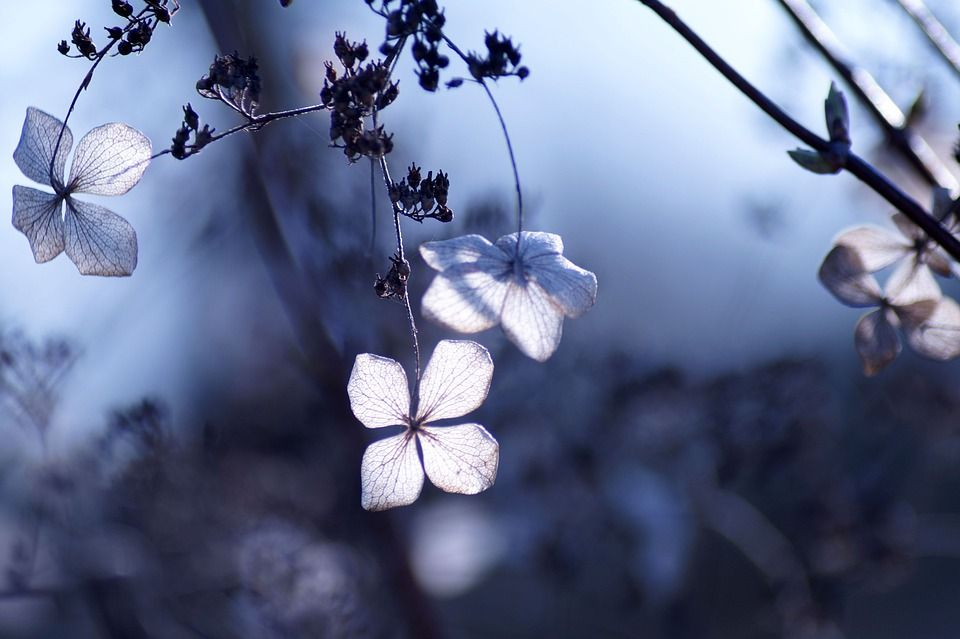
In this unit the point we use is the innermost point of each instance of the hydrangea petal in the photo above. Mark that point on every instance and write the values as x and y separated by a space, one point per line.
460 459
35 149
532 244
531 320
109 160
99 241
843 274
574 289
911 282
910 230
876 248
378 391
938 335
455 381
877 341
464 299
468 249
938 261
390 473
38 215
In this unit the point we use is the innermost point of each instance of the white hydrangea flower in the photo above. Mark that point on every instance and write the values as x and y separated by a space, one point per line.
458 459
911 301
528 288
109 160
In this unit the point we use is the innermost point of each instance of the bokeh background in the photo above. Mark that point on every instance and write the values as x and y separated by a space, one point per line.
703 456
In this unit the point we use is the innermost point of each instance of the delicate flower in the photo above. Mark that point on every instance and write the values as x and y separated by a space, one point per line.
458 459
911 301
109 160
878 248
527 286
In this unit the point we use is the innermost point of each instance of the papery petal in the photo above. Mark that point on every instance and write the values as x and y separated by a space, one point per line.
531 320
99 241
465 299
109 160
572 288
378 391
37 141
455 381
460 459
938 335
910 230
938 261
843 274
877 341
39 216
911 282
532 244
468 249
390 473
876 248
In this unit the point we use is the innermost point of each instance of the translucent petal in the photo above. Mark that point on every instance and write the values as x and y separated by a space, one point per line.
938 261
910 230
571 287
455 381
38 215
378 391
911 282
532 244
37 141
460 459
875 247
468 249
531 320
465 299
877 341
390 473
843 274
109 160
938 335
99 241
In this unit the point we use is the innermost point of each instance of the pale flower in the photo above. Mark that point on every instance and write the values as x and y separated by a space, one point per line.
458 459
109 160
911 301
527 289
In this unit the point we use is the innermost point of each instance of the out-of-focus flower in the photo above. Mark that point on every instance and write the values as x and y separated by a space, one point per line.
523 282
109 160
911 301
458 459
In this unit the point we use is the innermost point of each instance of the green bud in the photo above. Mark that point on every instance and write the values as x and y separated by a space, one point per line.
815 162
838 118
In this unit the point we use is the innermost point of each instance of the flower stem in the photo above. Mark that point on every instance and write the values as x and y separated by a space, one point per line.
866 173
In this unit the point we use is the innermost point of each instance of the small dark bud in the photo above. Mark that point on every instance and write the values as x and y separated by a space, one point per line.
454 83
190 117
443 214
124 48
523 72
63 47
413 176
122 8
429 78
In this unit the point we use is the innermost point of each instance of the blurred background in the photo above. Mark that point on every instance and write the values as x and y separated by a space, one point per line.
702 457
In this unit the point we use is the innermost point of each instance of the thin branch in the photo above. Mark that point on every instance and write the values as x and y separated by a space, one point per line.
506 135
388 182
373 205
936 33
878 103
850 161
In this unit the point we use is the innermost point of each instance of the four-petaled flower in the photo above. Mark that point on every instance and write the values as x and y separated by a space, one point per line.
109 160
911 300
878 248
458 459
523 282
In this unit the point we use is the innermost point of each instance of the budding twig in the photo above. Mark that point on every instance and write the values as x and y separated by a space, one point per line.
862 170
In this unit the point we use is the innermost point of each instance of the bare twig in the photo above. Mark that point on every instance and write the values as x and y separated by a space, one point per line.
878 103
936 33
